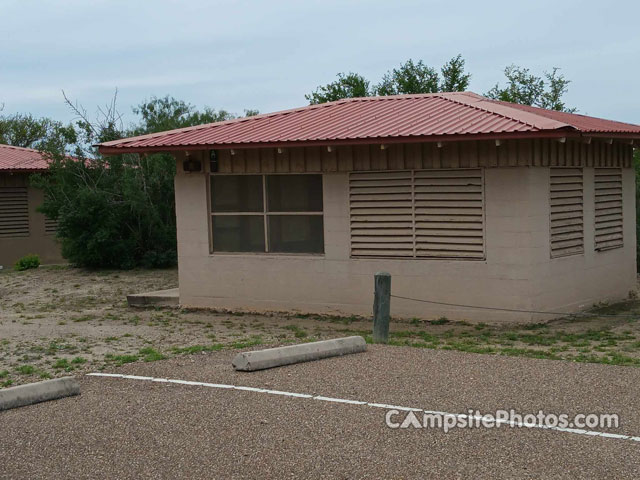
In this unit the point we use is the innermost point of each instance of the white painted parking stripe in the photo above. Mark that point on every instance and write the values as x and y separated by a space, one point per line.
577 431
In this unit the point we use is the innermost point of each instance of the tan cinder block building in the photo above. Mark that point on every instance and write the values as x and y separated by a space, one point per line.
24 230
464 200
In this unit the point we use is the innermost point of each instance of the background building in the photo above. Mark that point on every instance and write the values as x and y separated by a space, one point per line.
23 229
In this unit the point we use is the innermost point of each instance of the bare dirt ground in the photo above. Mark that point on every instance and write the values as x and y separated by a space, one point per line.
56 320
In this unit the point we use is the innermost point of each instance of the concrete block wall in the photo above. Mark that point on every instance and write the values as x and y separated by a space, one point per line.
518 271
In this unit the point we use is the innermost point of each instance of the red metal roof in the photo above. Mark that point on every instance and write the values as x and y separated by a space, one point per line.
21 159
438 116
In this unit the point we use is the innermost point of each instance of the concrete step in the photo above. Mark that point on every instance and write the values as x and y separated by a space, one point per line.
159 298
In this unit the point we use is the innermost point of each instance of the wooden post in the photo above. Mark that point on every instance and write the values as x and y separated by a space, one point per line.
381 307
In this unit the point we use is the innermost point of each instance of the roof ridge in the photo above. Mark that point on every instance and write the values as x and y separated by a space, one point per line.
14 147
545 112
481 98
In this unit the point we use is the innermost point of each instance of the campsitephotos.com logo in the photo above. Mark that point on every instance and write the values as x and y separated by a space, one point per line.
413 419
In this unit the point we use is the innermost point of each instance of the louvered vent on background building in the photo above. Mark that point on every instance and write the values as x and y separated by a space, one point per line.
14 212
50 226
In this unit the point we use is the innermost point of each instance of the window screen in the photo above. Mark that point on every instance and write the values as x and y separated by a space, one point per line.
294 193
290 221
238 233
236 193
296 233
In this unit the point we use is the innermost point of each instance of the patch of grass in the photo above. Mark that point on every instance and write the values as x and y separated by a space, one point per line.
248 342
439 321
84 318
197 349
79 360
26 369
4 373
62 363
535 326
151 355
6 383
529 352
121 359
298 332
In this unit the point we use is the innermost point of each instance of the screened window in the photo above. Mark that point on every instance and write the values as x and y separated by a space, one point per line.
267 213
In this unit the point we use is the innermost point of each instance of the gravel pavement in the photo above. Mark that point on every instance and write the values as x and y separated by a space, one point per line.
125 429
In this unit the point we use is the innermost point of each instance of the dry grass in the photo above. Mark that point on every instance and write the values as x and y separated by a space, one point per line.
55 320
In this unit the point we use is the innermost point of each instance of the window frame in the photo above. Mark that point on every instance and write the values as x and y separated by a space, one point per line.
265 214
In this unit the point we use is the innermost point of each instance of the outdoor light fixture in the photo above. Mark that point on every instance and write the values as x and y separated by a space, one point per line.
191 165
213 161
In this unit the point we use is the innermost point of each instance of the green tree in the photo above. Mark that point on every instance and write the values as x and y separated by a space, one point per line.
167 113
454 78
409 77
118 211
348 85
26 131
528 89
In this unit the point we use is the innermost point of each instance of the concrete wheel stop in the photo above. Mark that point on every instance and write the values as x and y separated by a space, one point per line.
31 393
305 352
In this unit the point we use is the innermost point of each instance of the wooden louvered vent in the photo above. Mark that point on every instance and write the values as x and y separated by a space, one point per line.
608 208
14 212
566 197
417 214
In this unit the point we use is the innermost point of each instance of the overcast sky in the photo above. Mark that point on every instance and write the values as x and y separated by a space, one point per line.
266 55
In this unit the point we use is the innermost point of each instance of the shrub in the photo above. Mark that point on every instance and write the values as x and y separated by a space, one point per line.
27 262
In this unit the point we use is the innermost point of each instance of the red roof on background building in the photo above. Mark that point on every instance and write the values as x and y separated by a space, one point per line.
21 159
426 117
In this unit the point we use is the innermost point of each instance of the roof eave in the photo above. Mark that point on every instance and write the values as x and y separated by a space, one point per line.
560 133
